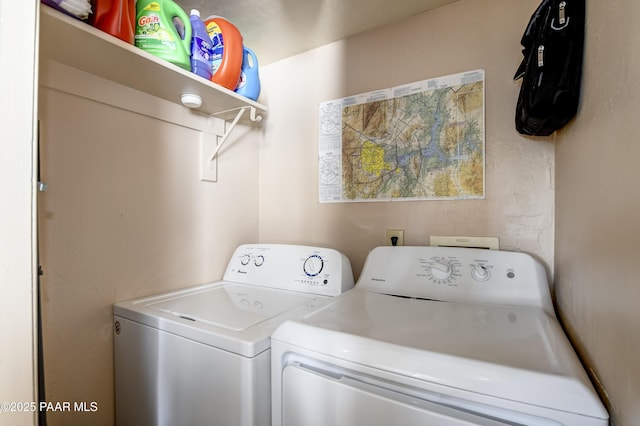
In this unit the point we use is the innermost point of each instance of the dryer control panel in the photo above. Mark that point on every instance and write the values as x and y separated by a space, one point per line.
306 269
457 274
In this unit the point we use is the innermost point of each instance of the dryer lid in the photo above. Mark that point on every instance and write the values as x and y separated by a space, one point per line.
519 354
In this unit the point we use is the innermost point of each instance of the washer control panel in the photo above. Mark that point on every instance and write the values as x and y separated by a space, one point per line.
457 274
449 270
291 267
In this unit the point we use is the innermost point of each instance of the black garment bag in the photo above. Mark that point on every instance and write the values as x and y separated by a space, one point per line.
551 69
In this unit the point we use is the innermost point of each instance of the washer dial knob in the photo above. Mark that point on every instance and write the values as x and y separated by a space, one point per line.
259 260
313 265
441 270
480 272
245 259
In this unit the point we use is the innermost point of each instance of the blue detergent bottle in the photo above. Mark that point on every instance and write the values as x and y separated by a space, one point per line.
249 83
200 47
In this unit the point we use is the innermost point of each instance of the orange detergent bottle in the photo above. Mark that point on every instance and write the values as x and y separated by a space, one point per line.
115 17
227 48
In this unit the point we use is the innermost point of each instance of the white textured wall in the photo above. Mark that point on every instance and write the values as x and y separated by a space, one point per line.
18 92
598 206
467 35
125 216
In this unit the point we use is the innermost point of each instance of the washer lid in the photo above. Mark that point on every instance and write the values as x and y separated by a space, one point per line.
518 354
233 306
235 317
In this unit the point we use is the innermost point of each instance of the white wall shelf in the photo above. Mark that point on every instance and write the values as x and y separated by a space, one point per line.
81 46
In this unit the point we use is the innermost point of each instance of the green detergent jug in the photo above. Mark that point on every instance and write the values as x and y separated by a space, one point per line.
161 34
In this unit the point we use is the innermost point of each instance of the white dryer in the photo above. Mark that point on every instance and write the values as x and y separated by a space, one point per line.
201 355
433 336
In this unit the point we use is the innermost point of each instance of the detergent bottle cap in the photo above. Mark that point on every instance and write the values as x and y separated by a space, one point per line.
195 12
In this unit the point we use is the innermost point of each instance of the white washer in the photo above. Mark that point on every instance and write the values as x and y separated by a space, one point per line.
201 356
433 336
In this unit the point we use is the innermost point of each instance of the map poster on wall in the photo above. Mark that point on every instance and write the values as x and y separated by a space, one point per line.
419 141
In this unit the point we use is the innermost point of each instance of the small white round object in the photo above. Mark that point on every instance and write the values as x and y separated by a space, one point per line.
191 101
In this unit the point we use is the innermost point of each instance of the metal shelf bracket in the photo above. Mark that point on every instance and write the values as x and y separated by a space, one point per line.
252 116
